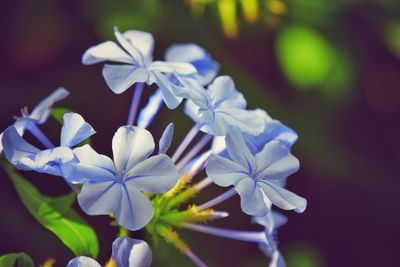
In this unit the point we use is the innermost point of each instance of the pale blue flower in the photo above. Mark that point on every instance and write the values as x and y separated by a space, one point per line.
39 114
137 65
273 130
271 222
126 252
221 107
257 178
207 68
25 156
116 187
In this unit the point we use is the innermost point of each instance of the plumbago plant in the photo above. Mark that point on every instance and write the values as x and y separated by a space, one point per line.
142 187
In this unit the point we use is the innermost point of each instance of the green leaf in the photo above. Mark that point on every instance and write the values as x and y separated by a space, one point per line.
56 215
58 113
20 259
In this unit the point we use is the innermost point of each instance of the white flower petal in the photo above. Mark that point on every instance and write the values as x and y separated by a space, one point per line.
16 148
193 91
283 198
167 89
225 172
142 41
107 51
120 77
173 67
156 174
48 161
137 56
92 167
251 198
239 151
184 53
74 130
206 67
247 121
223 92
134 210
131 145
275 162
100 198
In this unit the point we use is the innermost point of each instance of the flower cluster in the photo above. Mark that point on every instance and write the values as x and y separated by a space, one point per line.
140 188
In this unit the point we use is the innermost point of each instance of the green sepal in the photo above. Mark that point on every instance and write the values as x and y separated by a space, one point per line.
58 113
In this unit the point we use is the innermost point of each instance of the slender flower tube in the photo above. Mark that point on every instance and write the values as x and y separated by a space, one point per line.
186 141
203 183
271 222
40 135
248 236
215 201
149 112
194 151
137 93
194 258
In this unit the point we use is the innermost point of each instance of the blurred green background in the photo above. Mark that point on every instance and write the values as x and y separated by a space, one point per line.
328 69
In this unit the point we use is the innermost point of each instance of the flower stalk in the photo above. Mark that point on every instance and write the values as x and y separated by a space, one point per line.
135 103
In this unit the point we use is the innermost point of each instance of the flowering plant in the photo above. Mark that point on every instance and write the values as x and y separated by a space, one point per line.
145 188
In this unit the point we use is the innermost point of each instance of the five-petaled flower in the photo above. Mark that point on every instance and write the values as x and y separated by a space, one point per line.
257 178
25 156
221 107
137 65
116 187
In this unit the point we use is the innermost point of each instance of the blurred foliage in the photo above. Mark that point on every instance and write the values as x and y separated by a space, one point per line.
310 61
392 36
231 12
16 259
302 256
56 214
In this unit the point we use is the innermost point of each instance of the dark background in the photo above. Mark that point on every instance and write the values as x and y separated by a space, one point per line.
329 69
